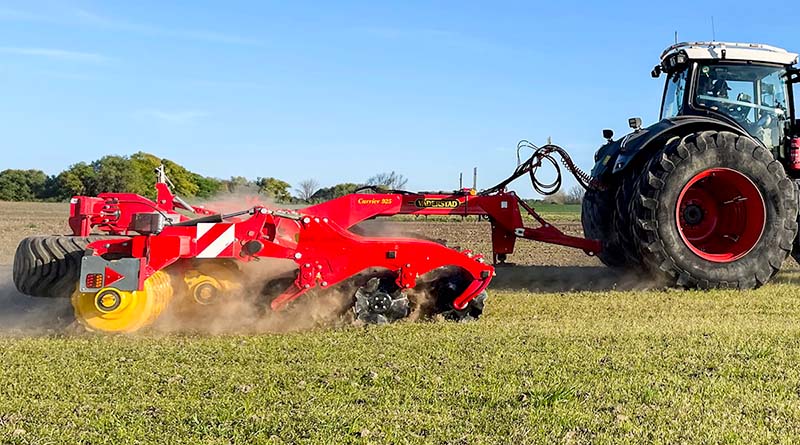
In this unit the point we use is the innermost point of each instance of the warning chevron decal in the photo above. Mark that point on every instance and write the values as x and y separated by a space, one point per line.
214 240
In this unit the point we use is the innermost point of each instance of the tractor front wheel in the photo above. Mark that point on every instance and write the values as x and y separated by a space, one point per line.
714 209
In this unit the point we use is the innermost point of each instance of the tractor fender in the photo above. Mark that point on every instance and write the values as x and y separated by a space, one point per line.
616 156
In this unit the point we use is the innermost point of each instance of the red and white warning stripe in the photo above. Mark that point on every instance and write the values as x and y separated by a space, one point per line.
214 240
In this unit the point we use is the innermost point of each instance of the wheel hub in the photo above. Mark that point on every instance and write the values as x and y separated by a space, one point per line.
693 214
720 214
205 293
379 302
113 310
108 300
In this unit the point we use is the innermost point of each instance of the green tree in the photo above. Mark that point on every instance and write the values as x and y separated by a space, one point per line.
336 191
22 185
74 181
145 166
206 187
275 189
115 174
134 174
186 183
181 178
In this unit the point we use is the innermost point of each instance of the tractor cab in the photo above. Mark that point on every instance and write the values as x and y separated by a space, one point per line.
749 86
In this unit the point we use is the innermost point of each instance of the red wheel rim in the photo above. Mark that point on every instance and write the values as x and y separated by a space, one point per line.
721 215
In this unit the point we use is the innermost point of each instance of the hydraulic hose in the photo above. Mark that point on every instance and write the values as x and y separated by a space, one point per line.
535 161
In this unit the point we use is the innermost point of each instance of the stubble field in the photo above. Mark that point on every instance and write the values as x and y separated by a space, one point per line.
566 352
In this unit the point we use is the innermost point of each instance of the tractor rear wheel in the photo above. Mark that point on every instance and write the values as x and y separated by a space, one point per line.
796 244
715 209
623 218
597 218
48 266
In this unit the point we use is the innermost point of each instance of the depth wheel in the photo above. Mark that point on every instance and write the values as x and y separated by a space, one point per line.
715 209
114 311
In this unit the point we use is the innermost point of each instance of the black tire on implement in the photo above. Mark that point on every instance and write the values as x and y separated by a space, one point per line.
472 312
597 218
660 193
48 266
447 288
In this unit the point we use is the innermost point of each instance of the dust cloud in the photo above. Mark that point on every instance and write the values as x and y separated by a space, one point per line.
22 315
246 309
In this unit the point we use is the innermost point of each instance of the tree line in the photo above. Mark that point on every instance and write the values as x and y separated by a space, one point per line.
136 174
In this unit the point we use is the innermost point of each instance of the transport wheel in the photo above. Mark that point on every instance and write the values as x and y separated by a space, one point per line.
115 311
48 266
597 218
380 301
715 209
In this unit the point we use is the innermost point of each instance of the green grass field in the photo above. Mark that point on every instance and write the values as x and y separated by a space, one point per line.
558 212
591 367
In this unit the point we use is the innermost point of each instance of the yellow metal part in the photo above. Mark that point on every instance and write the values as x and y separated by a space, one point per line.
113 310
211 280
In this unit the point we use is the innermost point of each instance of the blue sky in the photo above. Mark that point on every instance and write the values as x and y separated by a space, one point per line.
339 91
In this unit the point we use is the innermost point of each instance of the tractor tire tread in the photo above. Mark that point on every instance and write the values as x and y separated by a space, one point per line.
758 266
597 219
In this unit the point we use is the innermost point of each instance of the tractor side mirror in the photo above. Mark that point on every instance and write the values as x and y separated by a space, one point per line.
608 134
656 72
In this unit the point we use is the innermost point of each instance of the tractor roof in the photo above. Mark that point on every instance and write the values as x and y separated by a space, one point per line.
754 52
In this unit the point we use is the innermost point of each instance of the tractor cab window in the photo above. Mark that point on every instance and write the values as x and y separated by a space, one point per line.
754 96
673 94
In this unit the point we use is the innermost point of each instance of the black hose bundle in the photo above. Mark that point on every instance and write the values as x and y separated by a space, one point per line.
533 163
